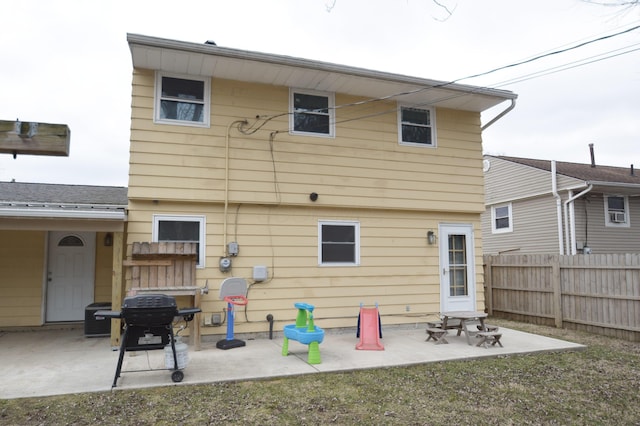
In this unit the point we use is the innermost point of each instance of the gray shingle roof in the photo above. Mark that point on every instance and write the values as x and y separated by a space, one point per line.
583 172
41 193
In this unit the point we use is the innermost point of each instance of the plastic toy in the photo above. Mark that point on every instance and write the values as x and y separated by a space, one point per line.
233 291
305 332
369 329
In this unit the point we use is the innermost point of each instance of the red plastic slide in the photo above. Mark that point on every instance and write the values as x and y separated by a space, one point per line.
369 330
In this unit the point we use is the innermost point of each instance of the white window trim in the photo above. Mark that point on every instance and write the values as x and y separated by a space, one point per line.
158 96
627 215
331 106
432 116
356 225
184 218
495 230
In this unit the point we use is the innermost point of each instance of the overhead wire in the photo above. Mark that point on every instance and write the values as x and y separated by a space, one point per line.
555 51
522 62
568 66
546 55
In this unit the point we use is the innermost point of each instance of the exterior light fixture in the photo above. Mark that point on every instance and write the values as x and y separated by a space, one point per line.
108 239
431 238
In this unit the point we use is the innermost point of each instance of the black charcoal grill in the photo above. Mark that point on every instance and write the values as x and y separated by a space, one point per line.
148 325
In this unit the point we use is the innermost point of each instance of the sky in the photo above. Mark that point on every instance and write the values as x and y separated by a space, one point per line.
68 62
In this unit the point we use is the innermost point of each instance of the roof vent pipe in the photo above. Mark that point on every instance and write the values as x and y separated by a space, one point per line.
632 172
593 157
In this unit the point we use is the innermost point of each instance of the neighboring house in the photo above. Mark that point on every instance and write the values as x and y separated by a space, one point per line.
542 206
332 177
56 250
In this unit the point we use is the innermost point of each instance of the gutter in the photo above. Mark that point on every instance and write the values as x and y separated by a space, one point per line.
499 116
617 185
62 214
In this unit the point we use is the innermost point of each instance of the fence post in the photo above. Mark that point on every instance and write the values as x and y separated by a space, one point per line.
488 284
557 290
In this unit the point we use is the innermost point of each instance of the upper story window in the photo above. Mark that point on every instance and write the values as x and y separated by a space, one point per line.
501 219
339 243
416 126
182 100
183 229
616 210
311 113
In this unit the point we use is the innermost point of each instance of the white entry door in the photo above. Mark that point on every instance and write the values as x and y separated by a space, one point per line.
70 275
457 271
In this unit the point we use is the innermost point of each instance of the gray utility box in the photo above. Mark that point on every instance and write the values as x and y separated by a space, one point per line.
94 327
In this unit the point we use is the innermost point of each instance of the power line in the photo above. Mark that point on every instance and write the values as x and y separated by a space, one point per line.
555 52
512 81
535 58
568 66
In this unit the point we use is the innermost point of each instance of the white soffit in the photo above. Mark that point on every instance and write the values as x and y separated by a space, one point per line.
210 60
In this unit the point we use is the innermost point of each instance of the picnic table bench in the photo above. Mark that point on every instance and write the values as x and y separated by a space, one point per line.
492 337
437 334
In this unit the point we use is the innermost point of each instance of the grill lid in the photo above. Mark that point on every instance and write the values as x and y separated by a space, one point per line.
146 301
149 310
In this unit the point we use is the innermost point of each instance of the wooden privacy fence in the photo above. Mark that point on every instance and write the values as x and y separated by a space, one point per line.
595 293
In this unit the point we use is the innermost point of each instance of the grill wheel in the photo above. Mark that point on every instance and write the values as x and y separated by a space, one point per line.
177 376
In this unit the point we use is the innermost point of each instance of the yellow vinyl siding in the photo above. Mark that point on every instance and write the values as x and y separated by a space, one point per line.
395 192
23 269
22 261
104 270
398 267
363 166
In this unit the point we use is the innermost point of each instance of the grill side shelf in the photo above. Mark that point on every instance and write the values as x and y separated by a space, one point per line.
102 314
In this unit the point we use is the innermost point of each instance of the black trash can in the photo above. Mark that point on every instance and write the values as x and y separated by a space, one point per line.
94 327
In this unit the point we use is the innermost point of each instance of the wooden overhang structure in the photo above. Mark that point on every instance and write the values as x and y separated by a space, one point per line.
32 138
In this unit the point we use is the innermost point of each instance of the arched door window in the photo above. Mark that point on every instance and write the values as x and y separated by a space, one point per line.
71 241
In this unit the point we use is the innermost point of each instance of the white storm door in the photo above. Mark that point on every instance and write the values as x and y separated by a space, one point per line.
70 275
457 271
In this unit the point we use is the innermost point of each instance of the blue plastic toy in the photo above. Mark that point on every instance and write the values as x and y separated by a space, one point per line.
305 332
233 291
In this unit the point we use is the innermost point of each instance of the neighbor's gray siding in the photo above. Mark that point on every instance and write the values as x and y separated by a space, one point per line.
529 191
590 227
535 228
506 181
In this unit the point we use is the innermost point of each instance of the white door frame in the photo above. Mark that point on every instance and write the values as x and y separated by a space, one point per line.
465 302
70 278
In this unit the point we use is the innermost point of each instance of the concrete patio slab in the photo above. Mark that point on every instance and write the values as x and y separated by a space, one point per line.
52 362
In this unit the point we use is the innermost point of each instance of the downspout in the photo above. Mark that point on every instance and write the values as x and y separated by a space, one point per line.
571 237
499 116
554 189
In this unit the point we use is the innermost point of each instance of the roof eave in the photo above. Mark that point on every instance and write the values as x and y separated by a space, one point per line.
200 59
633 187
41 213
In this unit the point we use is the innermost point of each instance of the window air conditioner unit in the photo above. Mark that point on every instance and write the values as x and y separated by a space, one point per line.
617 217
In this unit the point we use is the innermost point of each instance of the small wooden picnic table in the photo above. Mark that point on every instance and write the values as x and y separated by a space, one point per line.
464 317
